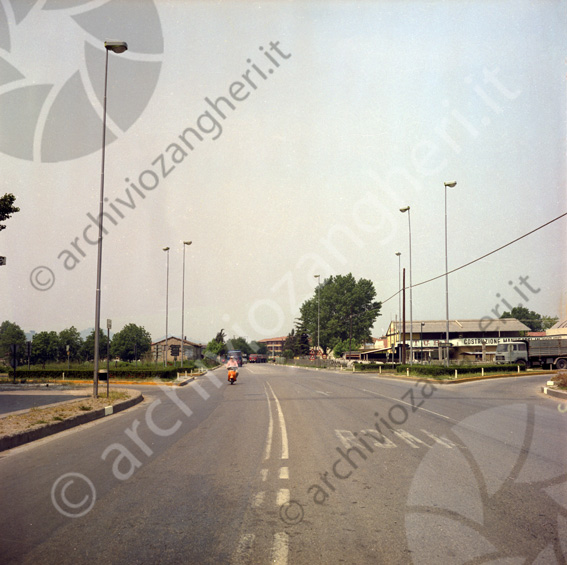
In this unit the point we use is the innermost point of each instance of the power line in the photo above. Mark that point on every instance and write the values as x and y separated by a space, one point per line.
483 256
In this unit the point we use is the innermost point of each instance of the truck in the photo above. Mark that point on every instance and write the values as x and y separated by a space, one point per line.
542 352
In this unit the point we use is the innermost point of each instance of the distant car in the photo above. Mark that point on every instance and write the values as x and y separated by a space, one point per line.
253 358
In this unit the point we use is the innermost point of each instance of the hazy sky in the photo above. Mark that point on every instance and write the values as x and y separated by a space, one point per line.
334 115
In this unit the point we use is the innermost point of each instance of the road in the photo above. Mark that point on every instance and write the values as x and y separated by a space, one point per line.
297 466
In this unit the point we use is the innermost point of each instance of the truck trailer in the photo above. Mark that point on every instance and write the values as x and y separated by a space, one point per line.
534 352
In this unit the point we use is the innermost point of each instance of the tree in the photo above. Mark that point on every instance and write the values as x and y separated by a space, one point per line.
11 333
87 351
72 338
260 348
347 309
529 317
343 346
239 344
548 321
45 347
131 342
216 347
7 208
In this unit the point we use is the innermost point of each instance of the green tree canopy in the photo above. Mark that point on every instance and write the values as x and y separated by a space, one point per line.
45 347
533 320
87 351
72 338
347 308
130 343
11 333
239 344
260 348
7 208
216 347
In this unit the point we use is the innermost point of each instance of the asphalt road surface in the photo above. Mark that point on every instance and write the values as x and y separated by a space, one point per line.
297 466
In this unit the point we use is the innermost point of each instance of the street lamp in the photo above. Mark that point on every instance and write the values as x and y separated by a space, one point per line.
116 47
185 243
318 277
403 210
399 299
166 249
451 184
421 336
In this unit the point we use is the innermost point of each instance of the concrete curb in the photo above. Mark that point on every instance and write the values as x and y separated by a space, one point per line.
21 438
550 391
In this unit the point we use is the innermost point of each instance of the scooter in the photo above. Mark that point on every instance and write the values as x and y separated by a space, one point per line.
232 374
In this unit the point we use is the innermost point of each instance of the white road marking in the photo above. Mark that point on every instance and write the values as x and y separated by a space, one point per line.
283 429
264 474
322 392
440 440
282 497
270 430
280 549
409 404
284 472
258 499
243 549
380 440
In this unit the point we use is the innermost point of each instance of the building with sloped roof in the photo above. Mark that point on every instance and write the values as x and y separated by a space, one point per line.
560 328
469 340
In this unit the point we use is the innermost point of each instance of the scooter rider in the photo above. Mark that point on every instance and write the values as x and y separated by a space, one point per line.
232 365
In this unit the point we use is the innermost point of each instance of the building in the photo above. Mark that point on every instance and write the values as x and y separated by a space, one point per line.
558 329
469 340
274 345
191 351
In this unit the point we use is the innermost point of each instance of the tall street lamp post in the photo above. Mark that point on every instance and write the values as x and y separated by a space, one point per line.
399 299
318 277
450 185
166 249
185 243
403 210
116 47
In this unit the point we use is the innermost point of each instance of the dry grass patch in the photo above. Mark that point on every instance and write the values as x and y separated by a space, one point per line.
38 417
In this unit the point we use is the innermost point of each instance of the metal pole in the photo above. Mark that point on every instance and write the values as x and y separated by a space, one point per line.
183 303
166 249
100 228
450 185
404 320
318 277
410 292
116 47
399 300
183 307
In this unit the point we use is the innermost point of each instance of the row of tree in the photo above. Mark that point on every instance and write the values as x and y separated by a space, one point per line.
132 342
219 346
534 321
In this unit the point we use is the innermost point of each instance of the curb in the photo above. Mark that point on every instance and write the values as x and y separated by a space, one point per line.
554 392
21 438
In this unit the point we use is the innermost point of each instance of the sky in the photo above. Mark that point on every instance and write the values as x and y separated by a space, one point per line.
282 139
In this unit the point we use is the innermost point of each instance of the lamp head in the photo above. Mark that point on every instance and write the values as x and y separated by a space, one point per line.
398 253
187 242
116 46
166 248
402 210
451 184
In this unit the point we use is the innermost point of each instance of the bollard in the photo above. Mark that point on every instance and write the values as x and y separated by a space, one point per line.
380 369
482 371
455 373
518 368
407 372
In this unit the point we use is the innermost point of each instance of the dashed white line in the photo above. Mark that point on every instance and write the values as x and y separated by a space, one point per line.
280 549
282 497
284 472
268 449
258 499
264 474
